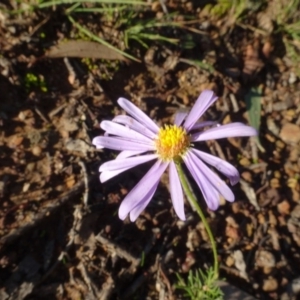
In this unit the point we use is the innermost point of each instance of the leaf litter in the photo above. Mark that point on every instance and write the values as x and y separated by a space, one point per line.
59 233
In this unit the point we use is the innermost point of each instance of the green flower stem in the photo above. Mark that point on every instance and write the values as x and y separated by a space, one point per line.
191 197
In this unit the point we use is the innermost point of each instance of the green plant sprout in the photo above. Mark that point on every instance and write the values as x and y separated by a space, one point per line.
142 259
33 81
235 10
45 4
124 15
253 104
200 286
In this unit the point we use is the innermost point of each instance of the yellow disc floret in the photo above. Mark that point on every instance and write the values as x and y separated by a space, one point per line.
172 142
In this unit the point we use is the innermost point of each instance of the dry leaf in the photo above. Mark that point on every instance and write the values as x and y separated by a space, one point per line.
265 22
70 181
240 264
68 125
250 193
252 62
78 145
83 49
267 49
264 259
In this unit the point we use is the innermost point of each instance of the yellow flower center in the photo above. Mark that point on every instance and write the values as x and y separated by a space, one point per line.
172 142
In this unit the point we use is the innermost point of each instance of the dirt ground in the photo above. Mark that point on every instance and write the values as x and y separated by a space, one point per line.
60 236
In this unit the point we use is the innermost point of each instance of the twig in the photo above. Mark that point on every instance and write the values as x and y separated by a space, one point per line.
164 7
72 74
38 26
55 111
72 234
219 150
43 117
86 183
230 270
49 208
135 285
166 280
85 275
113 247
254 146
141 279
234 102
106 289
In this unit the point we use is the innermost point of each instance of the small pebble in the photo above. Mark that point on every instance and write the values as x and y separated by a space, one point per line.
284 207
290 133
36 150
292 78
270 284
264 259
229 261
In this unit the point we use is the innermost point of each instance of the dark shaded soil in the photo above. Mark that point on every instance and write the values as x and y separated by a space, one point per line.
60 237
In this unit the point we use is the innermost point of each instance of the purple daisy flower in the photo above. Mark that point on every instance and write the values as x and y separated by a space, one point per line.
168 145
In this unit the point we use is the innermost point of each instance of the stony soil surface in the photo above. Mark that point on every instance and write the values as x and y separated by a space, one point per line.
60 237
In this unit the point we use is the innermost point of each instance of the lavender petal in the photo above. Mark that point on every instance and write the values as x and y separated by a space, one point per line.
140 193
120 144
129 153
124 132
221 165
213 178
135 212
131 162
135 112
110 174
224 131
210 194
179 117
176 192
135 125
204 101
204 124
